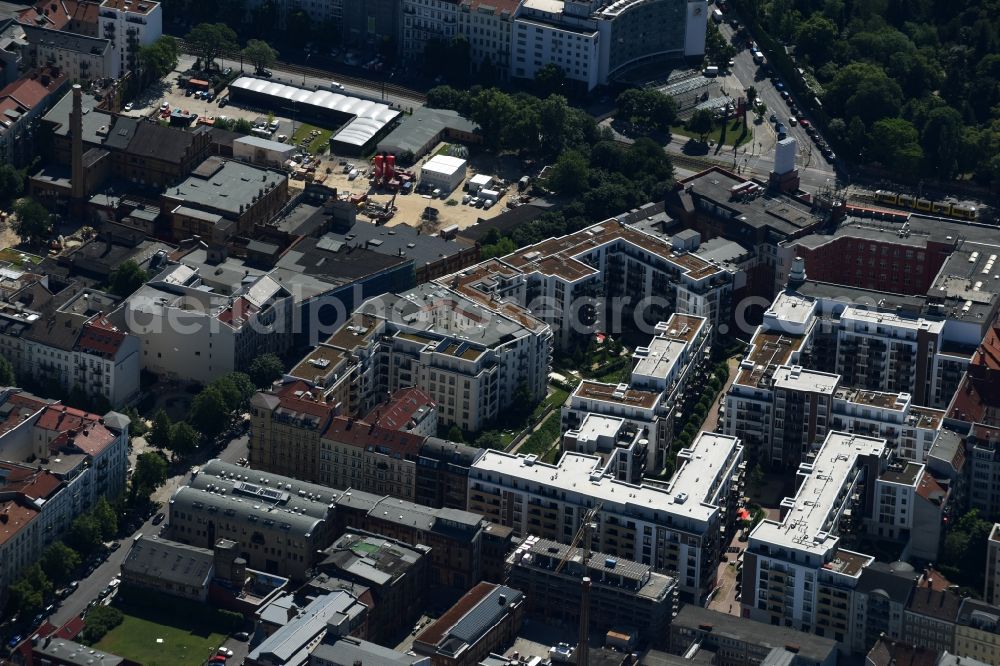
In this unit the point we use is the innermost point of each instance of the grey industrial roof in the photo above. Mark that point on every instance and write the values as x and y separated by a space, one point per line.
169 561
894 581
370 117
374 560
266 144
92 120
398 241
812 647
337 265
202 501
69 652
348 651
858 295
224 185
474 624
69 41
446 451
290 644
410 514
420 127
307 498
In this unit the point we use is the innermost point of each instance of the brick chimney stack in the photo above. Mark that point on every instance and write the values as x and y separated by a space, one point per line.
76 147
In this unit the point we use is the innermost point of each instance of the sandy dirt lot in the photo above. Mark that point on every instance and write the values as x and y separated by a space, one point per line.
410 207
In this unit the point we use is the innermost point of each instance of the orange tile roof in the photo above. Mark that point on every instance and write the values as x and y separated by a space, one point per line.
293 397
32 483
99 336
404 403
15 515
21 407
365 435
92 439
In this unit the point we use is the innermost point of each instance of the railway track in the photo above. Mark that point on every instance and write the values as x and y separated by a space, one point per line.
304 70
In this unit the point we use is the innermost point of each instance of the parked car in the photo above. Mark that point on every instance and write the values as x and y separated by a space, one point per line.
128 107
266 73
225 652
792 121
115 545
14 640
338 86
241 636
158 518
804 122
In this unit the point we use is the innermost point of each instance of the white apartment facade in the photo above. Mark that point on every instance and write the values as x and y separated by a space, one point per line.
75 345
129 25
488 25
593 40
794 571
679 527
992 591
469 360
424 21
79 57
189 332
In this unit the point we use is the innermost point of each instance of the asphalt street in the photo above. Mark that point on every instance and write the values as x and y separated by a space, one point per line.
758 160
92 585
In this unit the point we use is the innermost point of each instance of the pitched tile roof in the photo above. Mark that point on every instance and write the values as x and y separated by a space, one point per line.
367 435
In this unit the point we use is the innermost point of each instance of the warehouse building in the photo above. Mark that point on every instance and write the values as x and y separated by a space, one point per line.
256 150
419 132
359 123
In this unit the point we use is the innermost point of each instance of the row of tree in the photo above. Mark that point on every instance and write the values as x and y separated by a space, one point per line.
60 561
214 408
913 85
210 40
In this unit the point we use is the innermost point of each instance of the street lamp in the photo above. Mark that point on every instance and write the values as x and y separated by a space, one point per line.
308 53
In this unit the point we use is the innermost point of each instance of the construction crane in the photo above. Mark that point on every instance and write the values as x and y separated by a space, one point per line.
584 531
583 534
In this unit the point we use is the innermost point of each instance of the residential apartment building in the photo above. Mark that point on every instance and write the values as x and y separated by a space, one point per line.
460 541
279 523
57 462
910 509
130 25
442 477
424 21
783 408
369 457
22 103
795 571
286 424
488 25
622 592
930 617
486 620
977 631
468 360
677 528
733 641
587 39
992 591
394 573
642 412
189 331
621 446
70 338
79 57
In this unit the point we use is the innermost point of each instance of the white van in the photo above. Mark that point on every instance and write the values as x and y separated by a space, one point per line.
717 15
711 70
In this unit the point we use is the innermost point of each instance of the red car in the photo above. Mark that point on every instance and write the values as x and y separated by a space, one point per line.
803 122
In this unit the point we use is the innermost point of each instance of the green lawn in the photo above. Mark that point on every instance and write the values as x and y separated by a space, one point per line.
318 144
14 257
734 134
166 634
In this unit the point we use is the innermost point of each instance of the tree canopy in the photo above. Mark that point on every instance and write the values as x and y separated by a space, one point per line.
159 58
32 222
210 40
887 68
126 278
260 54
265 369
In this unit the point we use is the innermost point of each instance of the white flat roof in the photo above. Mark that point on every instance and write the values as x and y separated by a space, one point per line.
595 426
370 117
443 164
662 356
266 144
797 378
891 319
691 486
791 307
808 525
